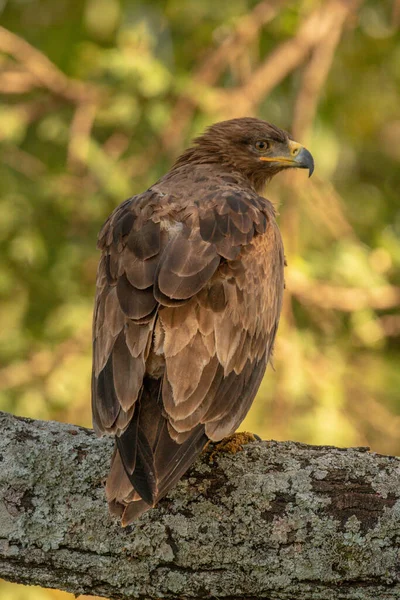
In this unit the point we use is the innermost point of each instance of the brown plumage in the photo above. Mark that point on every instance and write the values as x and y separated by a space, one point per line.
189 293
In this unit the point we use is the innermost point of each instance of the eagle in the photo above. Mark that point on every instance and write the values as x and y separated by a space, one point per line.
188 297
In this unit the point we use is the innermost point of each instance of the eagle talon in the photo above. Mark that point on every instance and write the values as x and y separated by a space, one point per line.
232 443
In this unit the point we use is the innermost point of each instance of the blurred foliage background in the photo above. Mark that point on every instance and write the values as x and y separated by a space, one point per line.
97 99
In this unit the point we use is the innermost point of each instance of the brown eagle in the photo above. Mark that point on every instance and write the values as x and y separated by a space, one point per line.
189 293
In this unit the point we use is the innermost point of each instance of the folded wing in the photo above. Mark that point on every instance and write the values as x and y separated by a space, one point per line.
183 328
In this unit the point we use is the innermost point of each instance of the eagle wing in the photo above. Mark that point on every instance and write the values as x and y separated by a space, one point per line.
187 306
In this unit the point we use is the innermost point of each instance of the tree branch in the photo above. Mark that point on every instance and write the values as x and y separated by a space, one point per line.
284 59
346 299
213 65
40 69
278 520
314 77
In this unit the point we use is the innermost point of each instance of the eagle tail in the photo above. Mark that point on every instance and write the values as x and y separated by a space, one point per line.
147 462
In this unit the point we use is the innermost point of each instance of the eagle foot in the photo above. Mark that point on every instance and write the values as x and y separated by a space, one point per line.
231 444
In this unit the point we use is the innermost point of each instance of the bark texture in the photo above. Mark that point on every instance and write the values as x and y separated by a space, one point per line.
279 521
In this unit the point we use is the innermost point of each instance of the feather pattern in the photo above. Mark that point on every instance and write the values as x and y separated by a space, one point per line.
189 293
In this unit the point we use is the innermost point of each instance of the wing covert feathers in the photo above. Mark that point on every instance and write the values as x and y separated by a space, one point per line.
188 298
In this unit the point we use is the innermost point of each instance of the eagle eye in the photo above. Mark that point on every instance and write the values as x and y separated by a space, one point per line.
262 145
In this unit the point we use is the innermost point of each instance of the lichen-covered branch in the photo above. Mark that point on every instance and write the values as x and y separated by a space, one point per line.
276 521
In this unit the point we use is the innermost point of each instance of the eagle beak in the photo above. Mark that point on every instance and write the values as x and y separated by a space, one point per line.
297 156
304 160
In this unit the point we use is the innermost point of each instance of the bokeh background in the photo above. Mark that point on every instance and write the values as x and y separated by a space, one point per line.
97 99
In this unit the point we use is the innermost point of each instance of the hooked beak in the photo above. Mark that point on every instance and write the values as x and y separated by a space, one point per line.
304 160
297 156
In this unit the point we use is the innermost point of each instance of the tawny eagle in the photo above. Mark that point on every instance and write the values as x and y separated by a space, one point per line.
189 293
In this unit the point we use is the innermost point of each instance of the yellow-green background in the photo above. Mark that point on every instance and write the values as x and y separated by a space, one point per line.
99 96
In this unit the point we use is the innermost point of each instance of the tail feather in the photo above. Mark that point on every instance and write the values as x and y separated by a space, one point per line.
137 457
127 444
143 477
188 453
147 462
